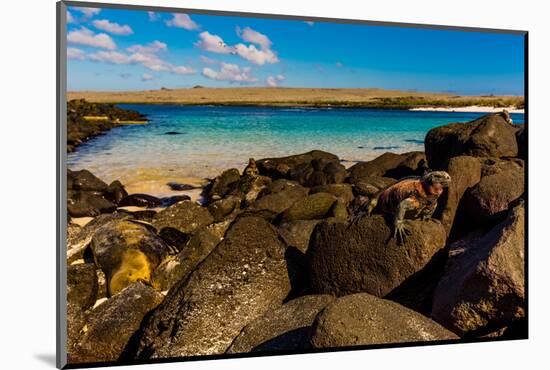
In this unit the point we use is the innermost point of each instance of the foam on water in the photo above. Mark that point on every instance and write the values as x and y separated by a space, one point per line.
210 139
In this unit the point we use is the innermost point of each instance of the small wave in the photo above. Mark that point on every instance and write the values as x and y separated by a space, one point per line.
390 147
414 141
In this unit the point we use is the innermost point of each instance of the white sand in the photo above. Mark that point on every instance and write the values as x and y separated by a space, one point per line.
472 108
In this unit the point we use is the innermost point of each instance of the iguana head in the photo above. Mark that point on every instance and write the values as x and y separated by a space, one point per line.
435 181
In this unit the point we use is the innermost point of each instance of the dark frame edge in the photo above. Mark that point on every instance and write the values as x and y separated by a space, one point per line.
61 193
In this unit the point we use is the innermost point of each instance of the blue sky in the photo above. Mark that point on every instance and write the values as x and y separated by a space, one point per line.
111 49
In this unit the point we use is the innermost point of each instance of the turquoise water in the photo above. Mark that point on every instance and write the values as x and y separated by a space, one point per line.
213 138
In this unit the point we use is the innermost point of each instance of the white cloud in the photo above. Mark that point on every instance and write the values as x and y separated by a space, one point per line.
339 64
261 56
113 57
111 27
253 54
273 81
230 72
207 60
84 36
152 47
147 59
77 54
147 77
256 56
310 23
88 12
213 43
153 16
249 35
70 18
182 70
182 21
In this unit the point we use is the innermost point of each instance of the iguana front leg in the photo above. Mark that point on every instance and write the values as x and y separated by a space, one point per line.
400 232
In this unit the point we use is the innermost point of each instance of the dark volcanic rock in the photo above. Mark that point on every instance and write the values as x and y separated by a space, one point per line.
488 136
176 268
318 172
297 233
115 192
483 287
82 286
223 207
79 129
186 217
85 180
140 200
343 191
248 188
168 201
277 168
465 172
126 252
363 319
87 204
364 256
219 187
316 206
502 183
285 328
389 165
111 325
279 196
243 277
176 186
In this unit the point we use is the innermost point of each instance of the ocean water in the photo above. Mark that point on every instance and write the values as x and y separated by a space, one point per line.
210 139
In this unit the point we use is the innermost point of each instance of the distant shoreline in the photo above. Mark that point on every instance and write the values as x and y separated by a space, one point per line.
303 98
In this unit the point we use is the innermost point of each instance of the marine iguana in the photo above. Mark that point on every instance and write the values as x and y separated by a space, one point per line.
412 197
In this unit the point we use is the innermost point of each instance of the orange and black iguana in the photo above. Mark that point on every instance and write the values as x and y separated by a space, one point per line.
409 198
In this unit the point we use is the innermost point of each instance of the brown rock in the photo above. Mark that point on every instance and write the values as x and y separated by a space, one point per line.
111 325
284 328
364 256
363 319
483 287
243 277
489 136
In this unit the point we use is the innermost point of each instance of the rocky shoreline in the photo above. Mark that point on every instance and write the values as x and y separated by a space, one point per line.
86 120
278 257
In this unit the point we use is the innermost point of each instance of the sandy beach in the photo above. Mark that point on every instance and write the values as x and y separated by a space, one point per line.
472 109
